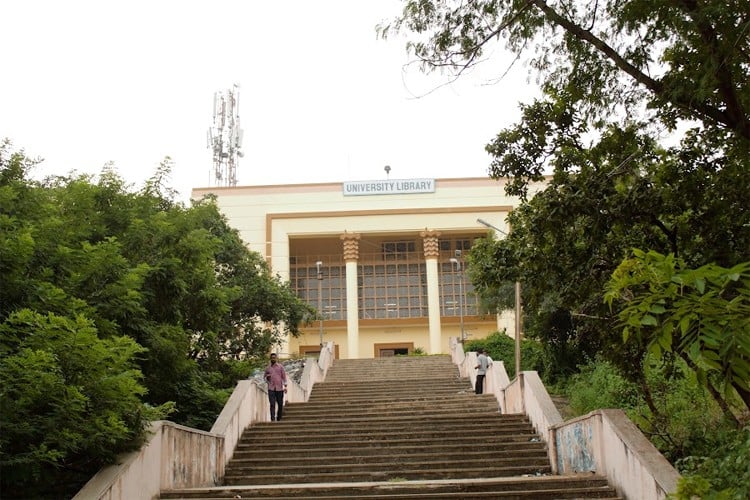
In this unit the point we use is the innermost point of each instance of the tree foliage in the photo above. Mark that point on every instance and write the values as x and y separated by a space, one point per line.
115 302
70 400
701 314
614 76
618 77
686 59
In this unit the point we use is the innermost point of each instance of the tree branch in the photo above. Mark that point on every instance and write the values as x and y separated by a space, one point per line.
655 86
726 87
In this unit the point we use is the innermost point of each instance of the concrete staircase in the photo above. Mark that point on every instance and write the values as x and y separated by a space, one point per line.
397 428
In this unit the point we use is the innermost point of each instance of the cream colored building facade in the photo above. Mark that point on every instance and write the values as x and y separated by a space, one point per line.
381 260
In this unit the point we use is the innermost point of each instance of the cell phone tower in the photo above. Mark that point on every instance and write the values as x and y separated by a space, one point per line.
225 137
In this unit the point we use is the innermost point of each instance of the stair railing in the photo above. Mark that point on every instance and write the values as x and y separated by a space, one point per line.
604 441
175 456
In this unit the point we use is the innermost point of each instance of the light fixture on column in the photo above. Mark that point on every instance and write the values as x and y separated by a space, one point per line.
319 265
457 262
517 305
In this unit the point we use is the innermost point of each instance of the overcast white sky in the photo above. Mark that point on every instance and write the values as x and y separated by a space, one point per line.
321 98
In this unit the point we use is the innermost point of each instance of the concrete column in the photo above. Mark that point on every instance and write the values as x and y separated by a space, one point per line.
351 256
431 254
280 265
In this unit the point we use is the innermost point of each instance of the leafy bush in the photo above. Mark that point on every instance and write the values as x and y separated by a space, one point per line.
723 474
681 418
69 401
115 305
600 385
686 420
501 347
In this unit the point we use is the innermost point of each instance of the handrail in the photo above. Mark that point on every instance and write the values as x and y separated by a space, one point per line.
604 441
176 456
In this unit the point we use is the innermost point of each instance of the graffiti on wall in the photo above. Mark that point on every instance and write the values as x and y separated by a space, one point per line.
575 448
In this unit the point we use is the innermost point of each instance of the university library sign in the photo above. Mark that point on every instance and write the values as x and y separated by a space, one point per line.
395 186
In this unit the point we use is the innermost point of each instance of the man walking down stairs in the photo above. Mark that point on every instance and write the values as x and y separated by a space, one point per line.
401 427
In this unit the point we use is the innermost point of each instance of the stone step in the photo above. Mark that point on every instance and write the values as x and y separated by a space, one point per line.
415 386
358 396
371 410
404 427
398 361
526 488
378 377
288 432
374 370
358 370
400 399
391 371
342 463
431 418
398 384
407 444
398 472
294 454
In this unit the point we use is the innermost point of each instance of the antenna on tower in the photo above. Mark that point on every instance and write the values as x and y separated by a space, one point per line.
225 137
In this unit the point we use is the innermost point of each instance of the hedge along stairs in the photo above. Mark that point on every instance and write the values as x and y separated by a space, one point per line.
402 427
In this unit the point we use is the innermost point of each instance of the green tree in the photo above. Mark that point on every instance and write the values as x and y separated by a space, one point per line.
171 288
683 58
614 75
69 402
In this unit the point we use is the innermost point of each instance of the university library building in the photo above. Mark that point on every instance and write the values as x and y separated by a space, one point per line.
382 260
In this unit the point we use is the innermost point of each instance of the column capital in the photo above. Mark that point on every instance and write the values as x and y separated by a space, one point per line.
430 243
351 246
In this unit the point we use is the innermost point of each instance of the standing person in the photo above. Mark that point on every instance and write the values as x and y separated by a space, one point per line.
275 376
483 363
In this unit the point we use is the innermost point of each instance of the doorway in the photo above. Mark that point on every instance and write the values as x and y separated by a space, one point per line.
393 349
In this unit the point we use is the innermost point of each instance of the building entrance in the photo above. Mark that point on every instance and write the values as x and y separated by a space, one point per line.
393 349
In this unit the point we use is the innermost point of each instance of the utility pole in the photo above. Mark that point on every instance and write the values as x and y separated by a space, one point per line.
517 305
319 265
457 262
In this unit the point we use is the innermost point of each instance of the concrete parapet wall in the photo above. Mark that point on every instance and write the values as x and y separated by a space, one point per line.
314 373
247 404
539 407
180 457
512 395
607 442
458 356
190 457
604 441
175 456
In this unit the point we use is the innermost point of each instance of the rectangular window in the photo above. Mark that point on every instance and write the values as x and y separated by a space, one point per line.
463 244
399 290
398 250
303 279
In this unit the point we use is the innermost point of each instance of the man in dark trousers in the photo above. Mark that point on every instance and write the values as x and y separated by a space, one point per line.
275 376
483 363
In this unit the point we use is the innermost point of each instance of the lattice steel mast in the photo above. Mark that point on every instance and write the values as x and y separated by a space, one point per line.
225 137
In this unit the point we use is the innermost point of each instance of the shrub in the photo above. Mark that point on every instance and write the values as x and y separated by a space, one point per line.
723 474
682 419
501 347
69 402
599 384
